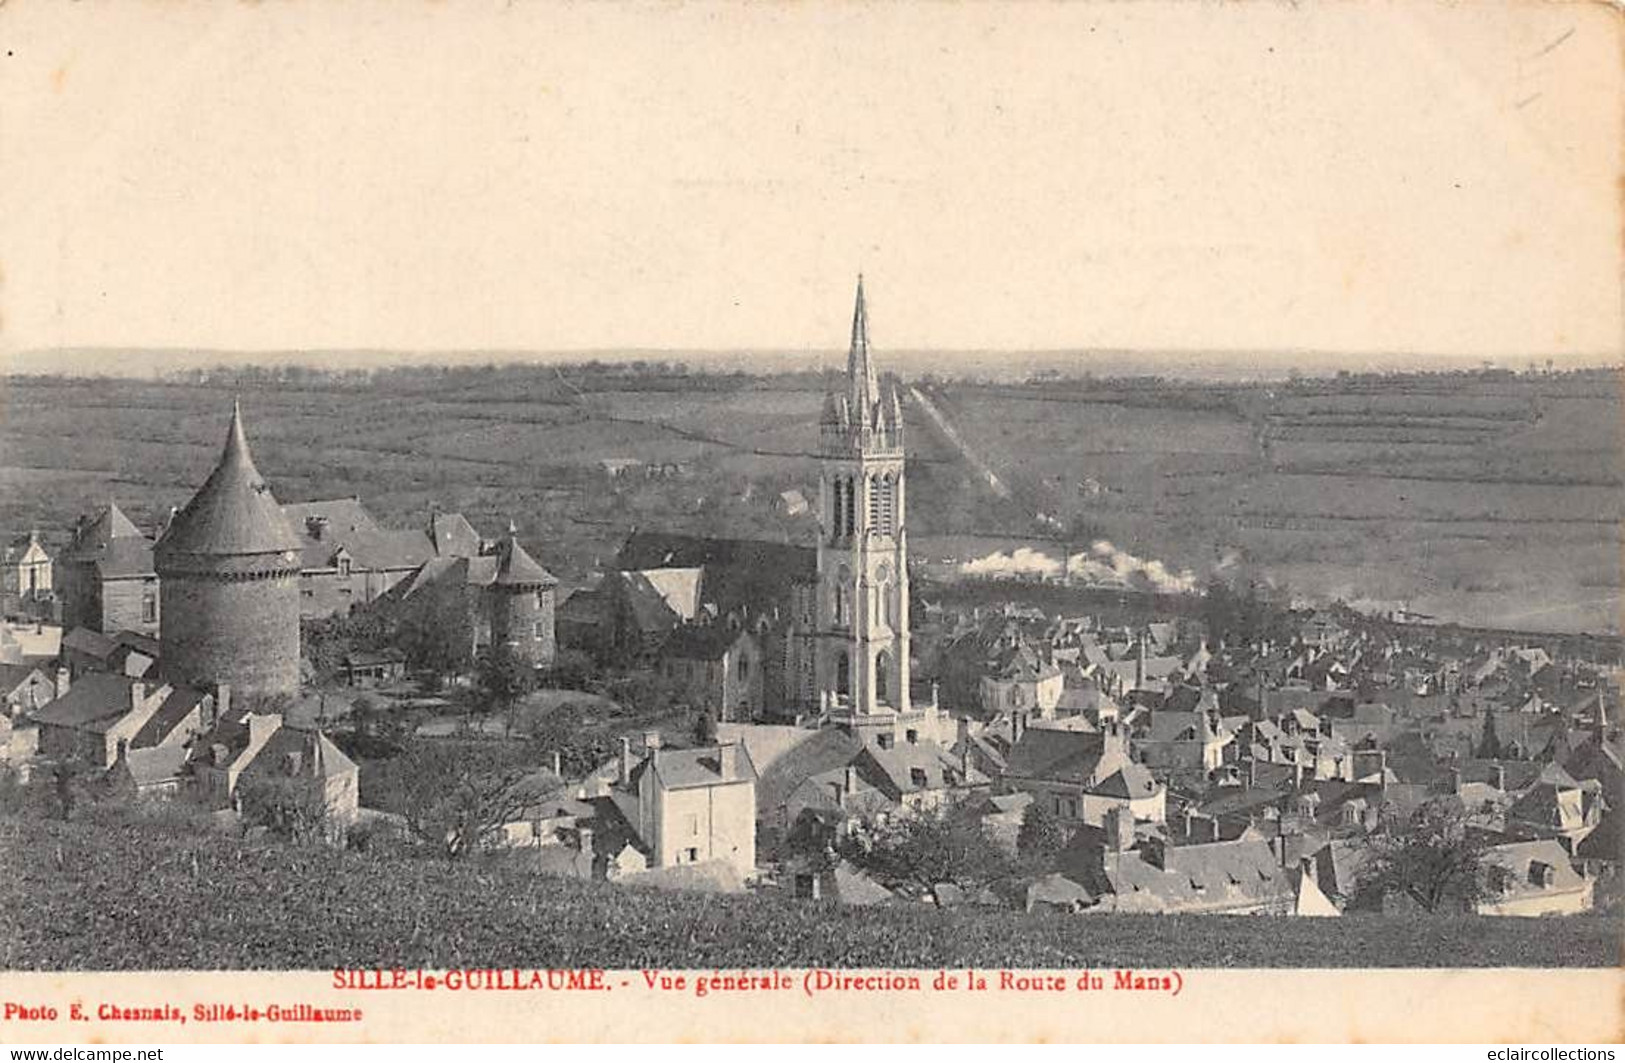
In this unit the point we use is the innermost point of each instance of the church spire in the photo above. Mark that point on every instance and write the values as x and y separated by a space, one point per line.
860 368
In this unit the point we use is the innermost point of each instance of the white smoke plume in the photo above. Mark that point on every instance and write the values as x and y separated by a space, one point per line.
1102 563
1105 563
1023 561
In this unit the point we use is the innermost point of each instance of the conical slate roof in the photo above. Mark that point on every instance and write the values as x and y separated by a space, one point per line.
516 568
233 512
860 368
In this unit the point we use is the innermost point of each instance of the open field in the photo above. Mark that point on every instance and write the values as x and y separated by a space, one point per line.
74 897
1486 499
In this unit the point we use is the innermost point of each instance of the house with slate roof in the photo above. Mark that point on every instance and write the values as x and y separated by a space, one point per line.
1083 775
1243 876
249 749
106 578
672 808
1534 878
349 560
102 717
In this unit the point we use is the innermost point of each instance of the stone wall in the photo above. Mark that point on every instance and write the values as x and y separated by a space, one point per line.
232 630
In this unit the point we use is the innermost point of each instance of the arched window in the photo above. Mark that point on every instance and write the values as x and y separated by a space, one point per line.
888 607
843 596
888 504
843 674
875 509
838 500
883 677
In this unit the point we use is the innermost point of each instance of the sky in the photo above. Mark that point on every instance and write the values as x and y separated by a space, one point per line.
1413 178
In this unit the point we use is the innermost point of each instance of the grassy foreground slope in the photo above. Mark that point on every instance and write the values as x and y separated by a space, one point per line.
136 897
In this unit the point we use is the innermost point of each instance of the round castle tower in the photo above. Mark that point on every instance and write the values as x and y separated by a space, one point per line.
521 604
228 566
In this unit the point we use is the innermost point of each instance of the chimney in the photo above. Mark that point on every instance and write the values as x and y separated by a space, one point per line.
584 840
626 760
556 763
728 760
63 681
651 741
1297 775
1251 769
123 749
138 694
1139 665
1454 778
222 701
1499 777
850 783
1188 818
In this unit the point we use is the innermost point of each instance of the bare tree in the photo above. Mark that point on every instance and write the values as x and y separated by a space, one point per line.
295 809
931 848
456 797
1432 855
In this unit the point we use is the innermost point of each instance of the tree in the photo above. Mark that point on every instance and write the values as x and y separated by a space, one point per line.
455 797
1042 833
927 849
1432 856
1489 747
293 809
507 678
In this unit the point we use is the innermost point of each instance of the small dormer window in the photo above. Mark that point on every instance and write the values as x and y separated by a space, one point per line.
918 777
344 566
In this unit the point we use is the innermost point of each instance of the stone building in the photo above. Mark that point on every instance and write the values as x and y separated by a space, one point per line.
106 579
860 611
229 568
500 598
718 669
348 560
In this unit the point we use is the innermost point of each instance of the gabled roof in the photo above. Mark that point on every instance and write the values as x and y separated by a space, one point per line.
649 608
317 756
234 512
824 751
682 769
13 676
452 535
1062 755
113 545
176 707
152 767
327 527
913 767
94 698
90 643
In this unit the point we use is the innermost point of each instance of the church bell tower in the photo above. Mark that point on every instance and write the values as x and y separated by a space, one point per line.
861 646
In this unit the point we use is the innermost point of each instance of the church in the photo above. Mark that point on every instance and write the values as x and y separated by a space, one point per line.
861 638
